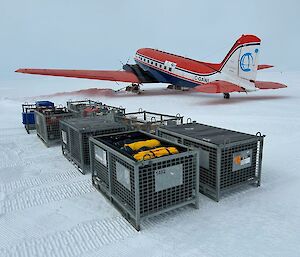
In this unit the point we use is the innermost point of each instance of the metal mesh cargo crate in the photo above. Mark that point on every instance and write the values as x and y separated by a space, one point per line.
28 118
75 135
228 159
149 121
47 123
141 189
89 107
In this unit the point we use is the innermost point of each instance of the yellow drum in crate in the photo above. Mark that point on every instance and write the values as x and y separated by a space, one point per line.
157 152
152 143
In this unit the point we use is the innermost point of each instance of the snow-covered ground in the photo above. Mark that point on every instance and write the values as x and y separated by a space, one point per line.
47 208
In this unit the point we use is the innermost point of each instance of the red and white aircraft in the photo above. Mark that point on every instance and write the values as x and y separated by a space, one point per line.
236 73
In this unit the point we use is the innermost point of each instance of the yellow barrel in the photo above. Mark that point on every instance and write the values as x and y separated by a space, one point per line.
138 145
157 152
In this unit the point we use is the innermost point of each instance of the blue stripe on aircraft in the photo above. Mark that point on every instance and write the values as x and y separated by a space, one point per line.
164 77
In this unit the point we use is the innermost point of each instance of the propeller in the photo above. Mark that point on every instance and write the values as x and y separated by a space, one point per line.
118 90
125 63
125 67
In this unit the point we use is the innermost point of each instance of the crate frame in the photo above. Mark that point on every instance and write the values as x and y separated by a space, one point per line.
135 217
149 124
68 150
72 106
217 192
43 130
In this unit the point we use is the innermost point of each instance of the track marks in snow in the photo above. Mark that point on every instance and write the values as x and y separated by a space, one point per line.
11 156
37 181
84 237
40 196
166 218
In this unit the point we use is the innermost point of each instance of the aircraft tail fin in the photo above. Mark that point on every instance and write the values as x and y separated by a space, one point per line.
242 59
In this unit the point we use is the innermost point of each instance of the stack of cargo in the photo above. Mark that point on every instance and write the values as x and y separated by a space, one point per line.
228 159
47 122
144 175
75 133
149 121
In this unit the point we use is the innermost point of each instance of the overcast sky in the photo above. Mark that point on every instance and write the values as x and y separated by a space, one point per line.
97 34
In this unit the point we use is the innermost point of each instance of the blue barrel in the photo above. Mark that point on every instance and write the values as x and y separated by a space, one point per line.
44 104
28 117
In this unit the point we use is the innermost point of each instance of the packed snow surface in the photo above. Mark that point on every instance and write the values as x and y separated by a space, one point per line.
48 208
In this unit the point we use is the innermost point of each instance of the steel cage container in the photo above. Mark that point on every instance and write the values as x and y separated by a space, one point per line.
75 133
141 189
47 123
149 121
228 159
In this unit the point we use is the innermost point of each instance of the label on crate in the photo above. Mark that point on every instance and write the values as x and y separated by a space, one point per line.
242 160
64 137
123 175
168 177
100 155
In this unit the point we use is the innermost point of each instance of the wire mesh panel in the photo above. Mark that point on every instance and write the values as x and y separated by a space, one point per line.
231 175
47 123
208 164
75 135
75 146
40 124
140 189
123 187
149 121
152 199
89 107
228 158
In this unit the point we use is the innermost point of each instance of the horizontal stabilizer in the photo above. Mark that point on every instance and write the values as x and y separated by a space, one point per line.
264 66
268 85
218 86
122 76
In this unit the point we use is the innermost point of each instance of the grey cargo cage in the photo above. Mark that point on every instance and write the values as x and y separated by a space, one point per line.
228 159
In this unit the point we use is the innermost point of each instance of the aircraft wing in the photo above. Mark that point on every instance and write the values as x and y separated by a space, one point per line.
219 86
268 85
122 76
264 66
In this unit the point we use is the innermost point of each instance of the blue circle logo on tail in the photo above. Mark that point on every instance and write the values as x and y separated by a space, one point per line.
246 62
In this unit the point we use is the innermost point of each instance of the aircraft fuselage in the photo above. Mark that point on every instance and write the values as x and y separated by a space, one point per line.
172 69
